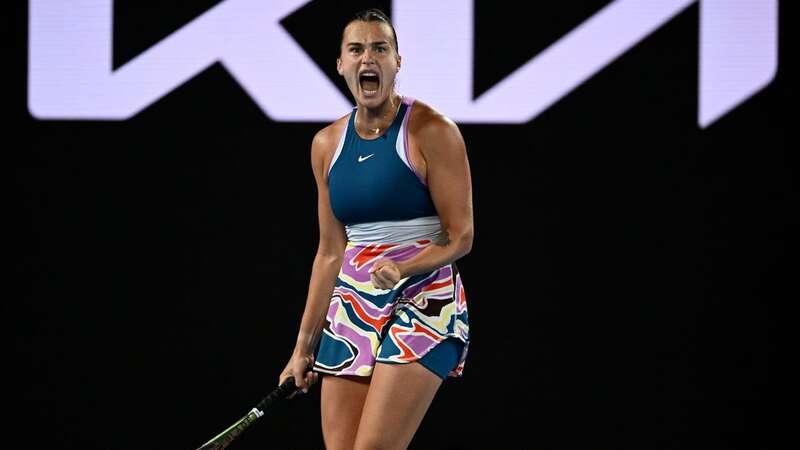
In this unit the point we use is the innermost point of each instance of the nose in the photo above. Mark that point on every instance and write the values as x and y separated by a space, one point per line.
368 57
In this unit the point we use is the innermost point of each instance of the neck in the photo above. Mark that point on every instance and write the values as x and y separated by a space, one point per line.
373 120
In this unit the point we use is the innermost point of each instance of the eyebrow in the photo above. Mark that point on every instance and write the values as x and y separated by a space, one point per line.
359 44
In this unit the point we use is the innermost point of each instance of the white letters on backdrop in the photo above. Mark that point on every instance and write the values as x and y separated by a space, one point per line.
70 74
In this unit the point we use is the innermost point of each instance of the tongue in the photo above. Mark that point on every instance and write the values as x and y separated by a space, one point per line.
369 85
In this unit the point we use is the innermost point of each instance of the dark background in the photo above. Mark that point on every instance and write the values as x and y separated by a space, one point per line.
624 288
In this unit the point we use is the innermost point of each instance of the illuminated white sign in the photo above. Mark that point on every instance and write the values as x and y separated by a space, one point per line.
71 76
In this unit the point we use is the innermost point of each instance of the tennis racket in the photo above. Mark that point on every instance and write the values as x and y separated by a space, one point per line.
224 439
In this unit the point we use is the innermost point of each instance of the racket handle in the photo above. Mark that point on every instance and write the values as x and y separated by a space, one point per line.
223 439
280 393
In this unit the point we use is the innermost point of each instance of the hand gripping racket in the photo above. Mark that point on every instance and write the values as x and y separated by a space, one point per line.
224 439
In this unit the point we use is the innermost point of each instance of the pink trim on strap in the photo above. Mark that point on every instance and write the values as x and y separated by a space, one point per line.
410 102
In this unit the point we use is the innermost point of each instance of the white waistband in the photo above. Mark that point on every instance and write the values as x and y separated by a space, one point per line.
401 231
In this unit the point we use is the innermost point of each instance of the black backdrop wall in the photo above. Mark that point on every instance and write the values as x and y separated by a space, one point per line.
623 287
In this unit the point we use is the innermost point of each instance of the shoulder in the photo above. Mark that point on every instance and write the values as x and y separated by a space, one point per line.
330 135
425 118
326 140
431 127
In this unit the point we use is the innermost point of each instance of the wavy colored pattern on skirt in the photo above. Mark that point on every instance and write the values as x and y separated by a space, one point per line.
399 325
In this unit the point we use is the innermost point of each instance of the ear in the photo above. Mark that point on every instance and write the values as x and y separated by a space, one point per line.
339 66
399 61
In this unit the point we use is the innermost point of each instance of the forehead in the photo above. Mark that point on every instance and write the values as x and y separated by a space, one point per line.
367 32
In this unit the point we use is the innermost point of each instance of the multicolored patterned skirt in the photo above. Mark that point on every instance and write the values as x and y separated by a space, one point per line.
365 324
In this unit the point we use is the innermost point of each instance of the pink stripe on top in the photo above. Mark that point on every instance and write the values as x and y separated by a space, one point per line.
410 102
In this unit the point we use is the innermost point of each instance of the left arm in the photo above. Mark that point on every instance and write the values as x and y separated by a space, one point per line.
450 185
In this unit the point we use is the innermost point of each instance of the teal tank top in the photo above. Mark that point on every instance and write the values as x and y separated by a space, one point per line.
373 180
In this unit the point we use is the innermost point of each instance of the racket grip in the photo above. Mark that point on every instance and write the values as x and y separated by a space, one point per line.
280 393
289 382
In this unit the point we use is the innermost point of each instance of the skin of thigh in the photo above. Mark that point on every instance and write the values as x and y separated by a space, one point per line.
341 402
399 396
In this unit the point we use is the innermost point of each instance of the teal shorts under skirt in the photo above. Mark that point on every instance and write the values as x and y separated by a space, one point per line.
442 358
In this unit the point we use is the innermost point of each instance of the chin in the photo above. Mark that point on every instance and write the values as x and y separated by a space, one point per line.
373 101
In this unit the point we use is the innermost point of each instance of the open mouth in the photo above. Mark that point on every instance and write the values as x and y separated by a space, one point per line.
369 81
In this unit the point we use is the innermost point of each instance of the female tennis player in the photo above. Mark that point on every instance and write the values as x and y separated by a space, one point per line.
385 321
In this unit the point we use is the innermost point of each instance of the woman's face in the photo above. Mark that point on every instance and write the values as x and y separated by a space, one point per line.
368 62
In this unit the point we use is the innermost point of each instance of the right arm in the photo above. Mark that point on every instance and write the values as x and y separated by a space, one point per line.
327 263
